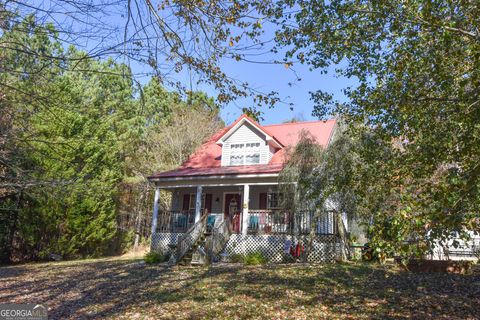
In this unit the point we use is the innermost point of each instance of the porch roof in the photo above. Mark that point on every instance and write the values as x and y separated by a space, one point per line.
220 171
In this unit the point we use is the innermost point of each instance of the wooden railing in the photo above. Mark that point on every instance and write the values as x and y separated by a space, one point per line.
282 222
273 221
323 223
175 221
187 240
218 239
269 222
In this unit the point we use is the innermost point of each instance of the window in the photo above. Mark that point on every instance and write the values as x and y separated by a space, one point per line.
252 153
237 154
241 154
274 200
193 198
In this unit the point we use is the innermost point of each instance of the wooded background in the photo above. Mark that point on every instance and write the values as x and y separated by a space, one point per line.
77 147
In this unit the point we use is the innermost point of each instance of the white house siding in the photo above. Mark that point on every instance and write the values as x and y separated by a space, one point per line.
246 133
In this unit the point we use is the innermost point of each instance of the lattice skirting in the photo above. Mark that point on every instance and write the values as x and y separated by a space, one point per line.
325 248
163 242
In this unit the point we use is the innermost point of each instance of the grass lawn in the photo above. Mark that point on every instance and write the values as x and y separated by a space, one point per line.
129 289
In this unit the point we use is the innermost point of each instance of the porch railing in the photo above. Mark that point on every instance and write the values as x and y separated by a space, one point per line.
269 222
175 221
283 222
273 221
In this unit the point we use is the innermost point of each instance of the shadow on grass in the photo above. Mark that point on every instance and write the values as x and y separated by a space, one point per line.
102 289
95 289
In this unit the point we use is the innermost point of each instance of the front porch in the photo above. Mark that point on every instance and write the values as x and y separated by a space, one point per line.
241 219
252 210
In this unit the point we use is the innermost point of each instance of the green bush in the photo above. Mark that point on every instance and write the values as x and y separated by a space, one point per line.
155 257
255 258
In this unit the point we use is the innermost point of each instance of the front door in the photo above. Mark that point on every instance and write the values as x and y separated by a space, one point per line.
233 208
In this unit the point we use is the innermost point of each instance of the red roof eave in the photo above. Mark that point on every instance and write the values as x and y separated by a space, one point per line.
219 171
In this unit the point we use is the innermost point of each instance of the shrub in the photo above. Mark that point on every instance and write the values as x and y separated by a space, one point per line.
155 257
255 258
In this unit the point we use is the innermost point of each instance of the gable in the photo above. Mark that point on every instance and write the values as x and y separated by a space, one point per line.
243 135
254 126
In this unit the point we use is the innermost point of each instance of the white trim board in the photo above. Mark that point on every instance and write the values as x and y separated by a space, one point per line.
225 176
218 185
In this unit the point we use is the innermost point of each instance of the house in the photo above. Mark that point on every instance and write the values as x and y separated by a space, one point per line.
225 198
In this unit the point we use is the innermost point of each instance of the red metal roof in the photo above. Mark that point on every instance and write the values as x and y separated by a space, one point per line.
206 161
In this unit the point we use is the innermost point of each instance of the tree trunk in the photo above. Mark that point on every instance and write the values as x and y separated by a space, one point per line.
138 220
11 228
342 234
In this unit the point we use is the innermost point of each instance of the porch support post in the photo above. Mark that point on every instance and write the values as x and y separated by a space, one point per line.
246 198
155 210
198 204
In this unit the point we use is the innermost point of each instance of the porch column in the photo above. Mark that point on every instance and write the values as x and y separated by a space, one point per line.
198 204
246 198
155 210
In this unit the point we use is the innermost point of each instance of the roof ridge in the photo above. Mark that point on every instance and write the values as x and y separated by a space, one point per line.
300 122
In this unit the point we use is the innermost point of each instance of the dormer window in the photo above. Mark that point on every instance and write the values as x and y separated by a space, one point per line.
244 153
247 143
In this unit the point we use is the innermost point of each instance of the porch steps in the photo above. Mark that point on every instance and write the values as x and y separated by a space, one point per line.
209 242
187 258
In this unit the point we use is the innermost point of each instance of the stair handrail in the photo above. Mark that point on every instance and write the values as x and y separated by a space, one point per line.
219 238
186 240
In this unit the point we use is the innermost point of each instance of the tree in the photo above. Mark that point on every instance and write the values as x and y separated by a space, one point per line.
68 147
418 73
321 180
171 133
168 40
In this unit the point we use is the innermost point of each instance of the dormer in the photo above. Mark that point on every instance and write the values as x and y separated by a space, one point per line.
247 143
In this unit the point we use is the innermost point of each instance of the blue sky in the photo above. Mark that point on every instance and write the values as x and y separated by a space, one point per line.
264 77
276 77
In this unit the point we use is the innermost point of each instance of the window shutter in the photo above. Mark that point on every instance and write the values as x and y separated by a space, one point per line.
263 201
186 201
208 202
